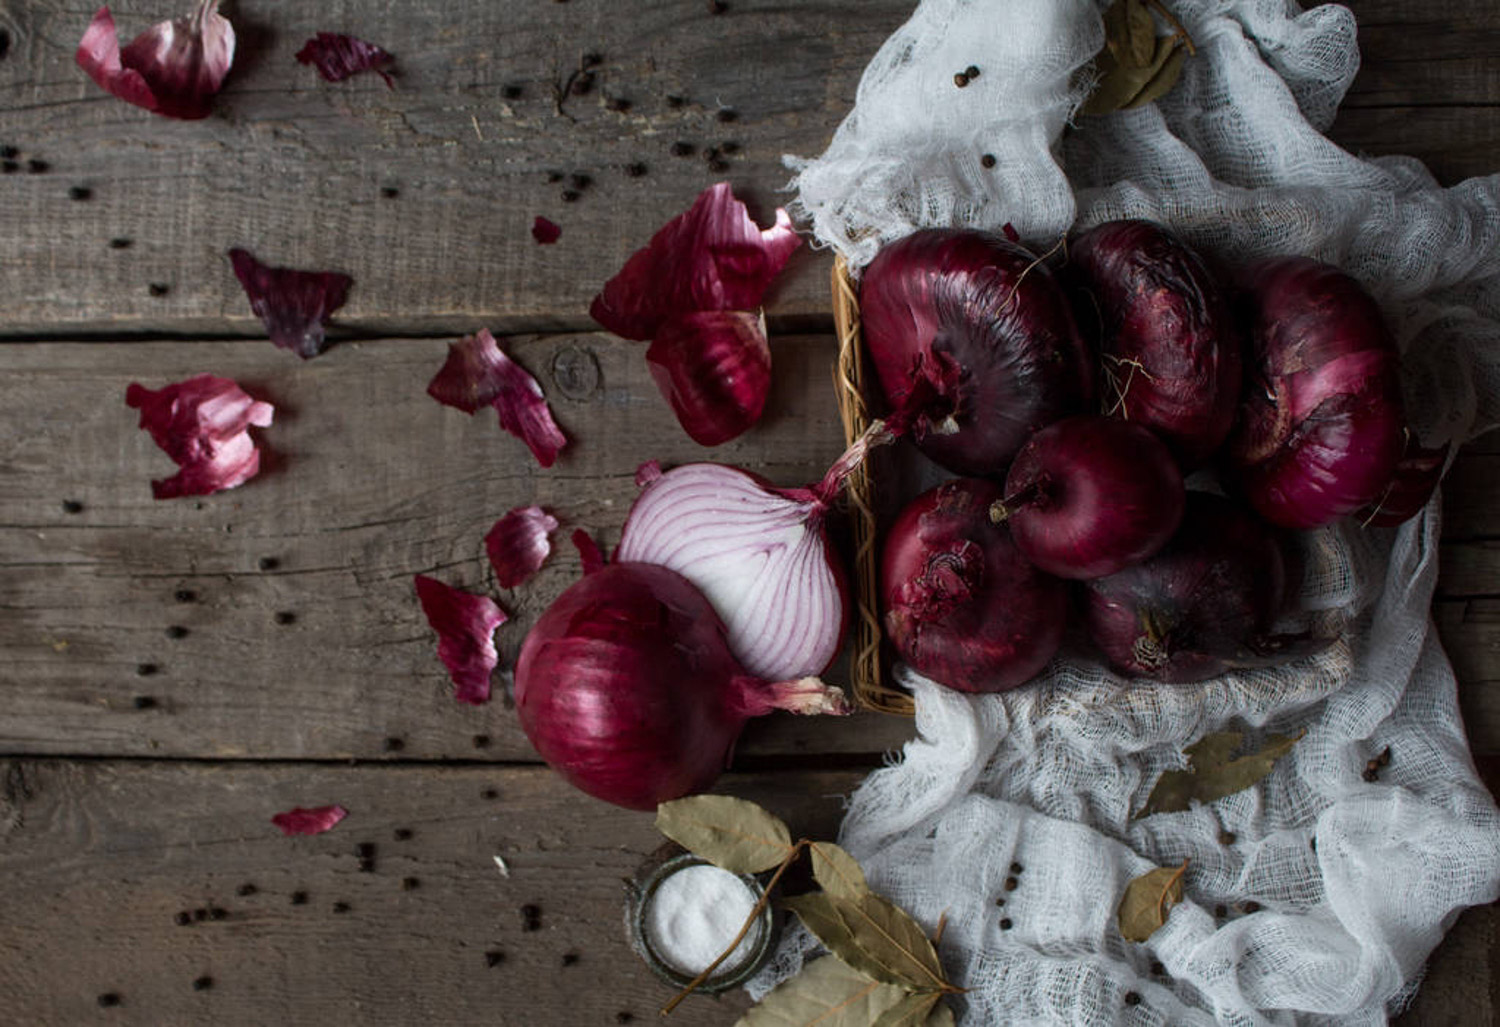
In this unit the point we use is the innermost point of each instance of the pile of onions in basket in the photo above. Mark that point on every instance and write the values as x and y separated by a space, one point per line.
1288 384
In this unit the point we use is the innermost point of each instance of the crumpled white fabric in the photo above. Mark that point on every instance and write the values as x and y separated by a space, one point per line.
1333 891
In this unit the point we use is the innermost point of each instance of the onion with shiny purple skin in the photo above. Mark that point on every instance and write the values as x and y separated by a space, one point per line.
626 687
1170 353
1321 425
982 322
961 605
1201 606
1089 496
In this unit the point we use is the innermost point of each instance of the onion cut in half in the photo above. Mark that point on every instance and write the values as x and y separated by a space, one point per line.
758 553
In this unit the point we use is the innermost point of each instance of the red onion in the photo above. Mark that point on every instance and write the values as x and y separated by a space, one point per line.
1202 605
1416 478
1171 357
962 605
1089 496
981 322
759 553
1321 426
626 687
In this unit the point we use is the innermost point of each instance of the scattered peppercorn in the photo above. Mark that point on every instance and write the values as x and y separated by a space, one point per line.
960 80
1011 884
512 92
108 999
972 72
299 898
390 192
9 167
554 176
121 243
143 702
38 167
1227 837
200 914
72 506
618 104
177 631
365 850
480 741
1132 999
203 983
570 958
682 149
494 957
218 913
729 146
268 563
987 160
636 170
578 180
9 152
285 617
718 164
80 193
1005 924
341 907
717 7
1016 868
489 793
1251 907
402 834
727 114
185 595
624 1016
393 744
676 102
531 917
1157 970
158 289
1000 902
409 884
592 60
245 889
145 670
183 918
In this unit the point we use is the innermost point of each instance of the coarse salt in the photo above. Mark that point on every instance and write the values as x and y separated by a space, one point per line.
694 914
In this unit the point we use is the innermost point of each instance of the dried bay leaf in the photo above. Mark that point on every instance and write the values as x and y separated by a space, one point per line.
837 871
827 993
1130 32
1135 66
1212 773
917 1009
1166 75
732 833
941 1016
1148 899
874 936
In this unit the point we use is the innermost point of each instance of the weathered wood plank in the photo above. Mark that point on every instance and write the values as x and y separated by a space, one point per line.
97 860
1461 986
299 170
1470 630
300 634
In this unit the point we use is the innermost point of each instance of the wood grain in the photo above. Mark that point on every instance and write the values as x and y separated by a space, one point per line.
98 859
300 171
300 633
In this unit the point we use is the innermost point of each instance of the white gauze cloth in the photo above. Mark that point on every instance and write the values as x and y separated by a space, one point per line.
1353 883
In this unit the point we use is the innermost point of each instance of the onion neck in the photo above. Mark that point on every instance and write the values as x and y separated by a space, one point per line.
750 696
1034 493
878 434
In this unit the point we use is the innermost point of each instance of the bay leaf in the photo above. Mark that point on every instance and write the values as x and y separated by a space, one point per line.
1130 32
874 936
1166 75
838 872
911 1011
732 833
1213 772
827 993
1147 901
941 1016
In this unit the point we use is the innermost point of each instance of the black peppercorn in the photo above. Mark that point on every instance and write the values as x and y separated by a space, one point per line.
512 92
38 167
218 913
80 193
960 80
299 898
390 192
183 918
727 114
72 506
393 745
570 195
341 907
245 889
268 563
1132 999
285 617
121 243
177 631
682 149
987 161
402 834
143 702
1251 907
203 983
618 104
480 741
494 957
145 670
531 917
1011 884
570 958
108 999
1016 868
158 289
1005 924
635 170
185 595
1227 837
971 72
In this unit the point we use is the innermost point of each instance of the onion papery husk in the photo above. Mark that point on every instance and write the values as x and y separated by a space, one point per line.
174 68
714 368
982 323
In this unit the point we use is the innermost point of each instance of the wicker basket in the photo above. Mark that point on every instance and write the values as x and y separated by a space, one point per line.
866 664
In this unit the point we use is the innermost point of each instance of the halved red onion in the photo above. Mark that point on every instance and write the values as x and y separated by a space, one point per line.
544 231
519 544
337 56
712 257
1321 424
477 373
466 625
714 368
202 424
758 553
588 551
315 820
174 68
294 305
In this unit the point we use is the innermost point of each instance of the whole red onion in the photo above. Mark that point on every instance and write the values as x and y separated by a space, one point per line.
1321 425
982 324
1171 356
1089 495
1202 605
962 605
626 687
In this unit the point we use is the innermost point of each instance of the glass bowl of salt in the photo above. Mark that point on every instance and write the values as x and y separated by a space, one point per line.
687 911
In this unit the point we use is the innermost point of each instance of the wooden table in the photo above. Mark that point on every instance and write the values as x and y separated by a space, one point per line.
176 672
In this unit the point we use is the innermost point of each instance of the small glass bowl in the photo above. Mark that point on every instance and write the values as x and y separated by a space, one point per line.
643 890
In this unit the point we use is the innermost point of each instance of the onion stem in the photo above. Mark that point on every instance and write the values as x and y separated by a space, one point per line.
1002 509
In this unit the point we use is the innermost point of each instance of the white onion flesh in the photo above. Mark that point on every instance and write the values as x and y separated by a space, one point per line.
759 556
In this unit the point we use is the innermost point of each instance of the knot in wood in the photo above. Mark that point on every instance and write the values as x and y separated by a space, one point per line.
575 371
